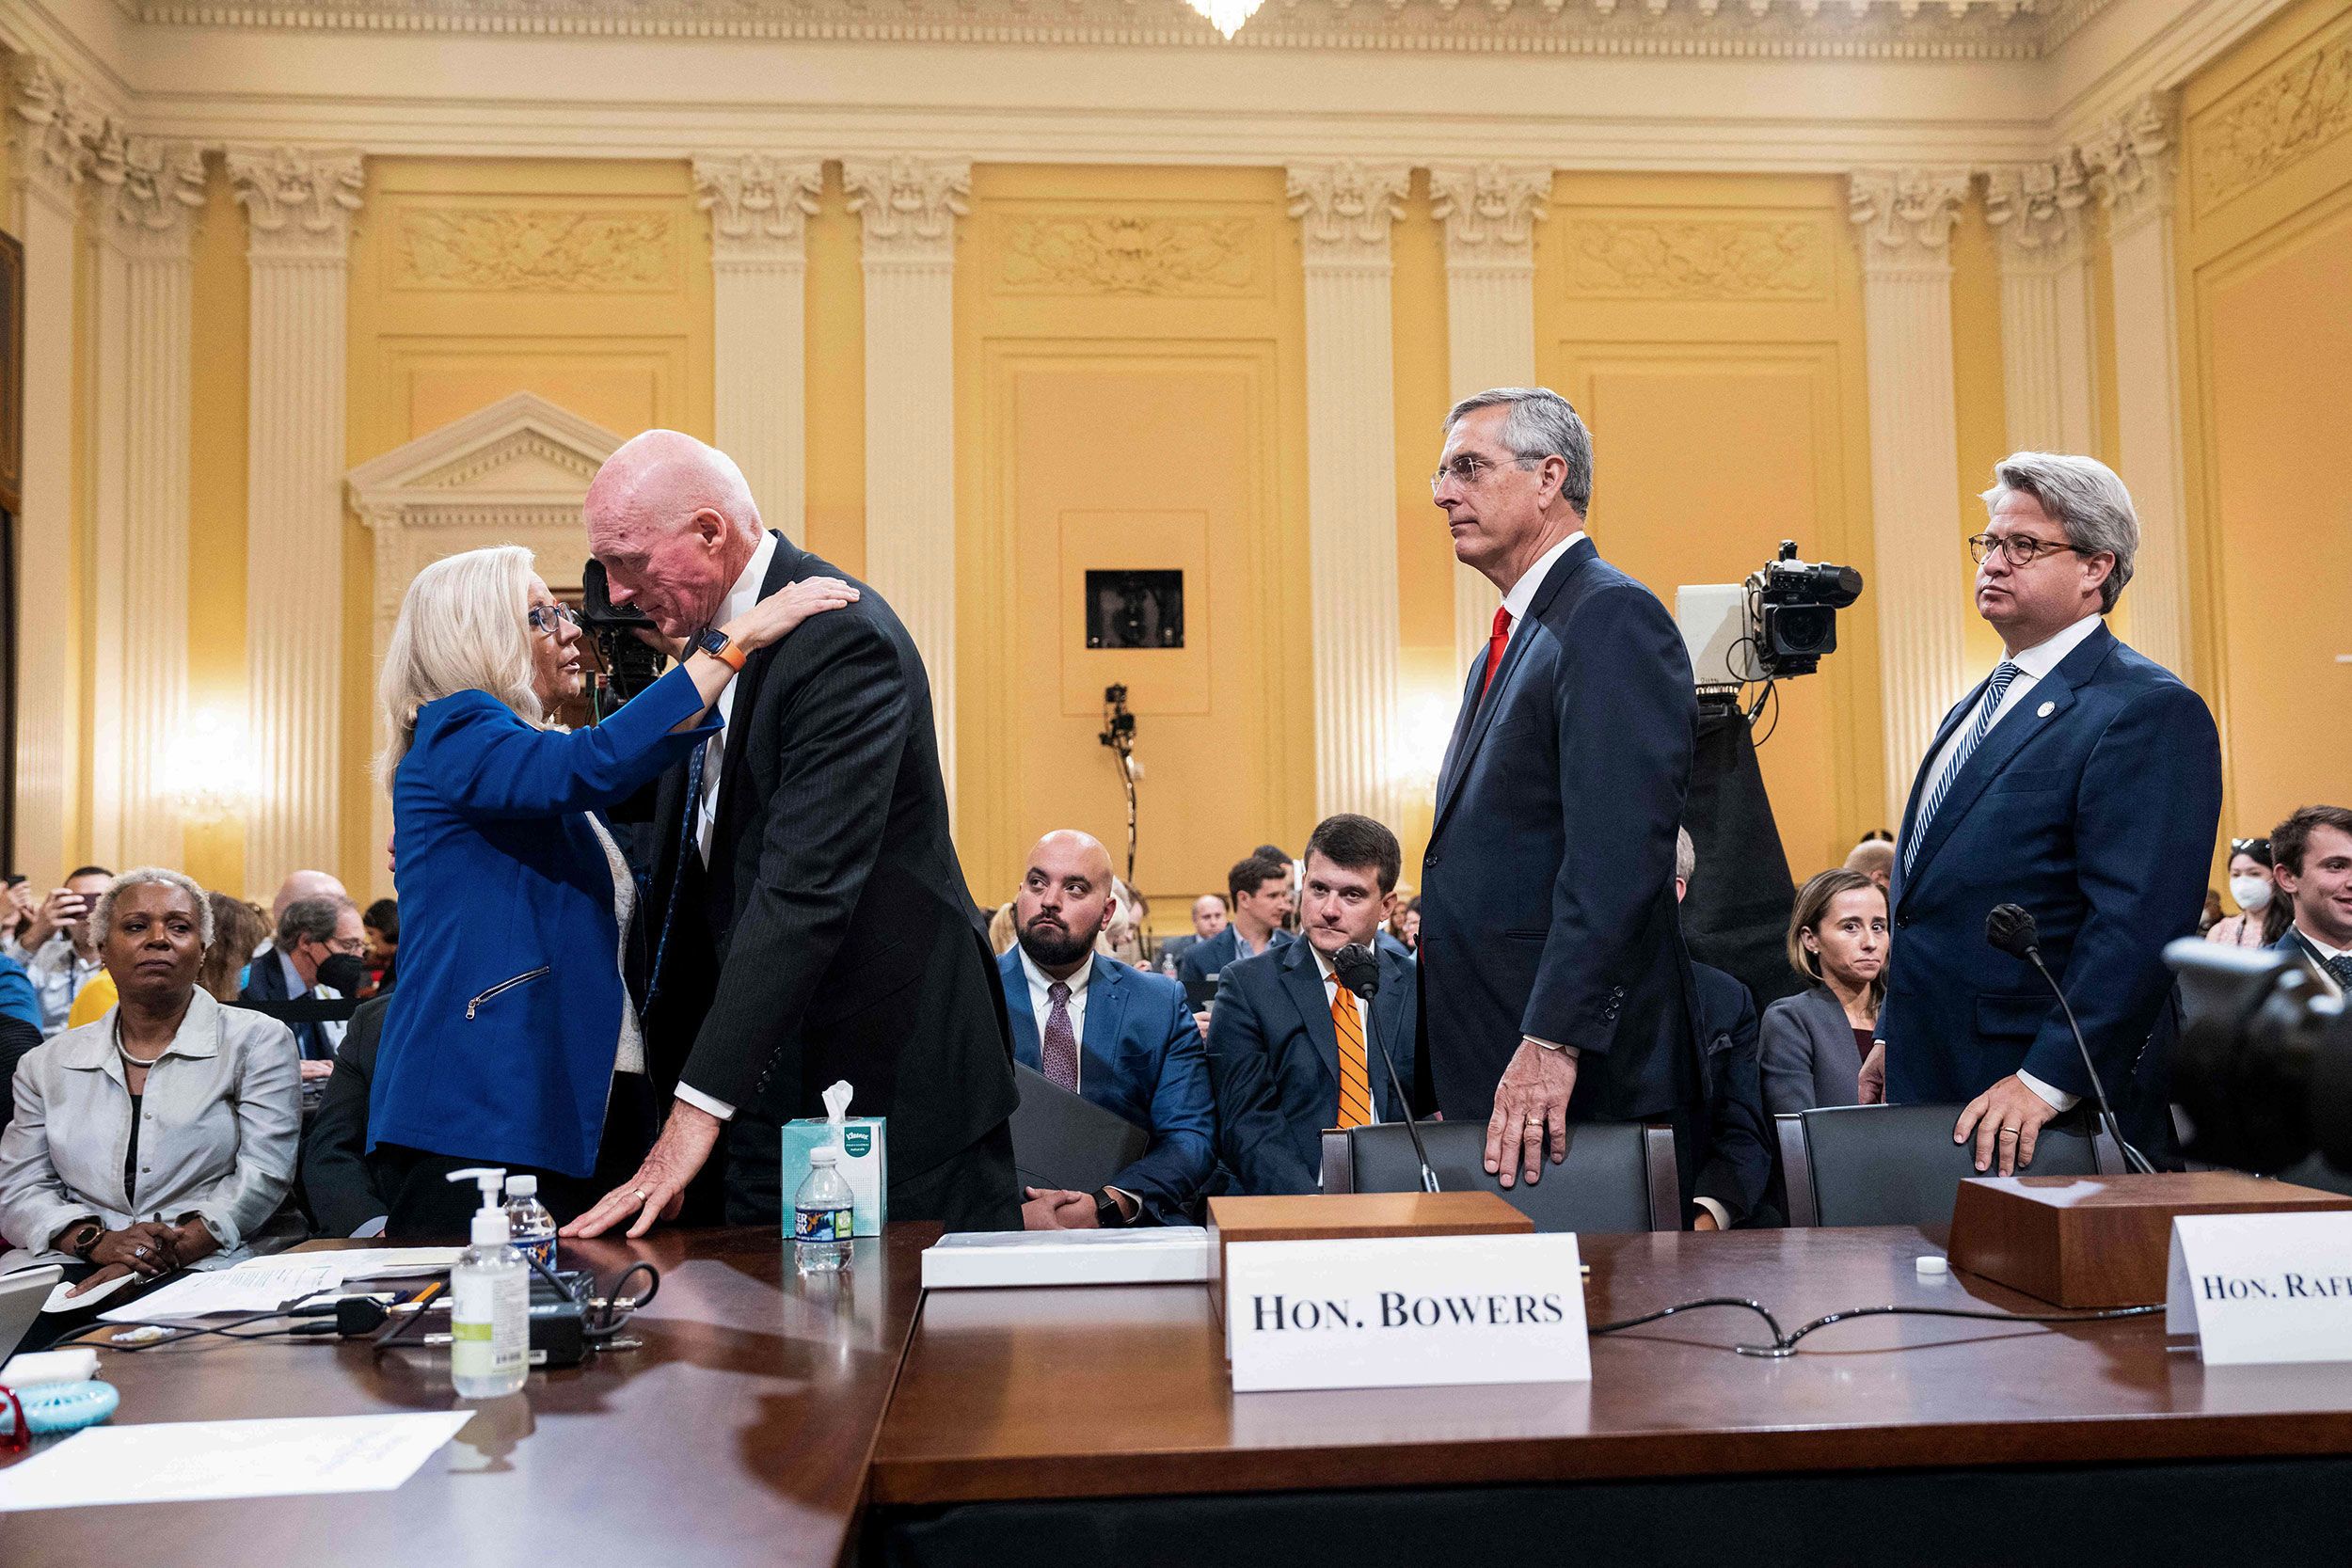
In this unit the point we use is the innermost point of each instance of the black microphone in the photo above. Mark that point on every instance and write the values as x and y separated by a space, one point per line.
1357 968
2011 928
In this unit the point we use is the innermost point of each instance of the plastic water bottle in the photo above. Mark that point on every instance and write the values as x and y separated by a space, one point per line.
823 1217
528 1220
489 1319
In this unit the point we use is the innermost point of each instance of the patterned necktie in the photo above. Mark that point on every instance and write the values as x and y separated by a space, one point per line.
2340 967
1354 1082
1995 691
1061 1044
1500 639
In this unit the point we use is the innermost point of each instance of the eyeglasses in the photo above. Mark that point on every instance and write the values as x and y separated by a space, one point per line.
1466 468
543 617
351 947
2022 549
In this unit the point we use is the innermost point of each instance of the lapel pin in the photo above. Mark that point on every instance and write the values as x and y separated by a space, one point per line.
2045 711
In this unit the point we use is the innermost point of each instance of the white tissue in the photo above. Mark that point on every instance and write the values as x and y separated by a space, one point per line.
50 1365
837 1110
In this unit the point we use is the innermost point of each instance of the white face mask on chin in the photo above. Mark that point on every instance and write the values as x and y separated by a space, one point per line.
2253 894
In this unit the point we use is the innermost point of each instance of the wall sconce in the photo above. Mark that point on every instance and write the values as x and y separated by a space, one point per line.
208 769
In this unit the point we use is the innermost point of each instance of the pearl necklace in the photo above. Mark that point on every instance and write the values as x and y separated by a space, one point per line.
129 1060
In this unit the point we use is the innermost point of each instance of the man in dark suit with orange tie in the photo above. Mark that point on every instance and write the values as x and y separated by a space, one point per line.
1554 982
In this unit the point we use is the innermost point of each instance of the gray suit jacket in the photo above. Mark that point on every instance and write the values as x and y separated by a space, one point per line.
1810 1056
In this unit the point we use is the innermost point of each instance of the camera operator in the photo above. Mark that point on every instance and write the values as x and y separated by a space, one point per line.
2312 855
57 948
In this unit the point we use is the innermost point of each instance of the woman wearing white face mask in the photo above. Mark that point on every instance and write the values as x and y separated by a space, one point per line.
2250 887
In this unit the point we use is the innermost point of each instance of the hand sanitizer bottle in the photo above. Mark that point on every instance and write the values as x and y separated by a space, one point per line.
489 1319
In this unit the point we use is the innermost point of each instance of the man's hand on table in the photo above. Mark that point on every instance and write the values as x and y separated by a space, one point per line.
1531 1109
1056 1209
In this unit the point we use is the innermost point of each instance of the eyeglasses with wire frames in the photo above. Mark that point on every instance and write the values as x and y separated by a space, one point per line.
2022 549
1466 468
544 617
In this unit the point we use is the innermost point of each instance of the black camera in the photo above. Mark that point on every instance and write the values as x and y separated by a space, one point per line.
2263 1066
1796 605
629 665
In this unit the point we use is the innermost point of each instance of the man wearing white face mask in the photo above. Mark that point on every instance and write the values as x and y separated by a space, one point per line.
2266 914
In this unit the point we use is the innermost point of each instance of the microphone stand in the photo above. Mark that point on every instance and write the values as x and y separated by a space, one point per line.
2132 1157
1358 968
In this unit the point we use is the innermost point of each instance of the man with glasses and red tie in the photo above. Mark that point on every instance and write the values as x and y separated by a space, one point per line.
1555 983
2080 780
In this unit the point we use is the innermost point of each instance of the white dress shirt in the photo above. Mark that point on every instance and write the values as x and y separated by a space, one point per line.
2033 664
298 990
1523 592
1041 1005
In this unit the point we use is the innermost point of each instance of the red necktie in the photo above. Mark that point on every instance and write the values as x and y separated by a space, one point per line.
1495 644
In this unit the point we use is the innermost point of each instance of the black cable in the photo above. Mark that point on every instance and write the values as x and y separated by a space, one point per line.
612 1319
175 1333
1785 1344
1756 1308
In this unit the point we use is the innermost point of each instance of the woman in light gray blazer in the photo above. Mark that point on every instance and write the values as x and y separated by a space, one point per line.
1812 1043
161 1136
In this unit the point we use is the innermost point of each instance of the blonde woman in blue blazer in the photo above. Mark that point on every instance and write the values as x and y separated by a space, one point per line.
511 1040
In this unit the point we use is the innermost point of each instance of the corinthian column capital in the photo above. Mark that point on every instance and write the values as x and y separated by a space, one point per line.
759 205
1904 216
53 126
1346 209
148 192
1490 211
2134 159
2037 209
909 205
298 201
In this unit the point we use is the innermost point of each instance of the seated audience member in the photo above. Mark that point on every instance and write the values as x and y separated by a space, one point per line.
1874 858
299 885
1208 919
1815 1041
19 1028
16 905
380 925
1002 931
1258 891
92 1002
512 1039
1122 935
337 1181
173 1107
2313 852
1733 1162
1289 1052
59 949
237 927
2264 915
1095 1025
1405 924
2210 916
315 957
1288 925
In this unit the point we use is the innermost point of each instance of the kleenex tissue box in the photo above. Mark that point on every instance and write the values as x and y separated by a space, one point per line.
865 1164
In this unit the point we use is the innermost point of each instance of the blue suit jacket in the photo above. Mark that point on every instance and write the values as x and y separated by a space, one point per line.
1547 899
1275 1059
1206 959
1142 1059
2093 803
499 1043
1735 1161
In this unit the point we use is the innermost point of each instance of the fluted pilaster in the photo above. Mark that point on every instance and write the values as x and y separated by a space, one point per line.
909 207
2133 163
1490 212
299 204
2038 211
1903 219
147 195
759 206
1346 211
53 127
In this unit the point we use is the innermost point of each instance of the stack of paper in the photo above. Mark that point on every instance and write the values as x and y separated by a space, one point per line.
193 1460
260 1284
1154 1255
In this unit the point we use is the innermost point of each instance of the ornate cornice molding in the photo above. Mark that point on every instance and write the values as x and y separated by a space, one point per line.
298 201
909 205
1490 211
2037 210
55 127
1816 29
1345 209
1905 217
148 192
2133 159
759 204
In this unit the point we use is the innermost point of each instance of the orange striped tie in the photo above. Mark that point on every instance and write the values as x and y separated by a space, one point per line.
1354 1081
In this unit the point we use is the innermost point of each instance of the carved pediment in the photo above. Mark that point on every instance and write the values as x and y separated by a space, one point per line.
521 451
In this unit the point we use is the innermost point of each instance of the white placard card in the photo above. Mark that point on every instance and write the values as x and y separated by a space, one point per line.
2262 1287
1404 1311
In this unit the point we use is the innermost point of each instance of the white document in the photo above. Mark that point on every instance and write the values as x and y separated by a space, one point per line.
1150 1255
2261 1289
62 1300
172 1461
204 1293
1404 1311
393 1262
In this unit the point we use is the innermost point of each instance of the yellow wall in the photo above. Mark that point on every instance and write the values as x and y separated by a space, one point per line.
2265 258
1710 329
1129 395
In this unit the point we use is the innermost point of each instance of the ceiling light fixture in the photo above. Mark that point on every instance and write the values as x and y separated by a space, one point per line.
1227 16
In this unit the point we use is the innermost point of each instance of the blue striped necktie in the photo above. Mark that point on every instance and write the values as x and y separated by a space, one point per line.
1995 691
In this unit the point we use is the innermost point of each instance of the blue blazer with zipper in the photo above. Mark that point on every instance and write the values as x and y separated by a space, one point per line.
2093 802
1275 1059
499 1041
1141 1059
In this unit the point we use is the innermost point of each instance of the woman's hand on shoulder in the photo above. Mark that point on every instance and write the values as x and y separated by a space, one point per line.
774 618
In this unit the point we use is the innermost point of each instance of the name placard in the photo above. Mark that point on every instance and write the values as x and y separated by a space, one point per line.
1404 1311
2262 1287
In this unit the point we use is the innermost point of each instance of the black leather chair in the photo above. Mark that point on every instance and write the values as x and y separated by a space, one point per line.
1897 1164
1618 1176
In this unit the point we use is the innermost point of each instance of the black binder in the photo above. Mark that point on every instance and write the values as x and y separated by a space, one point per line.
1065 1141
